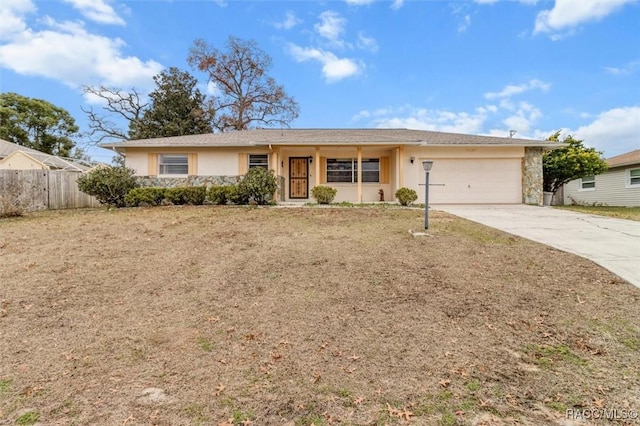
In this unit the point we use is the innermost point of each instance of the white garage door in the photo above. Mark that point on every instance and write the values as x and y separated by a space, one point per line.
476 181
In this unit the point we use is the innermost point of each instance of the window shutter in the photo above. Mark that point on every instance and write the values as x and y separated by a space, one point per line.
323 169
384 169
152 164
243 163
192 161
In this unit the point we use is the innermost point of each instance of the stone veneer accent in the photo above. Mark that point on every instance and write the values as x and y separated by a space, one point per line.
168 182
532 176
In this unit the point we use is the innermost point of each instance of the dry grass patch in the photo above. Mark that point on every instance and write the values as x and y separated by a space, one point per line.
201 315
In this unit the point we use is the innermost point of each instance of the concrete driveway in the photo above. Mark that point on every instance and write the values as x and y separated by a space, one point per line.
611 243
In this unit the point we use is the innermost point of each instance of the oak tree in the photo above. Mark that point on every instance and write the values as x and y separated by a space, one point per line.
246 95
37 124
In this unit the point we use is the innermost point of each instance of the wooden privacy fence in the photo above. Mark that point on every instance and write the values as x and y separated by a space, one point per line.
45 189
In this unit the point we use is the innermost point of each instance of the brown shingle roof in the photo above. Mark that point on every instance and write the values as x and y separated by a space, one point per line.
627 159
328 137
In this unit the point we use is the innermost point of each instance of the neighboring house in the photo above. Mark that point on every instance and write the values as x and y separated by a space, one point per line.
357 162
618 186
17 157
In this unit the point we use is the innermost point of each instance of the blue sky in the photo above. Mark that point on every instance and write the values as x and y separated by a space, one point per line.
478 67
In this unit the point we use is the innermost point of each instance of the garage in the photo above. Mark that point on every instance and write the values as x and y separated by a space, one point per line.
473 180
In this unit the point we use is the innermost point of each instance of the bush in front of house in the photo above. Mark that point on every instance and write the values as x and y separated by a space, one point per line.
193 195
218 194
235 195
258 185
406 196
110 185
147 196
323 194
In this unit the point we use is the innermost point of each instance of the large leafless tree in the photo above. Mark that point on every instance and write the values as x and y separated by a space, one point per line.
247 97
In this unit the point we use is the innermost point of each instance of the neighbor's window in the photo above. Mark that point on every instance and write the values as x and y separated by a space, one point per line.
634 177
346 170
173 164
588 182
259 160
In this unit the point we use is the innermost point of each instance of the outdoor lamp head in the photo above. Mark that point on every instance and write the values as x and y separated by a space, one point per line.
427 164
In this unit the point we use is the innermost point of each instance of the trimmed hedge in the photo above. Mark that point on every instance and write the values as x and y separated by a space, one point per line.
323 194
406 196
149 196
193 195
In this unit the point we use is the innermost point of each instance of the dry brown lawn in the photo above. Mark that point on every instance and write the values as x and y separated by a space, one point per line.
270 316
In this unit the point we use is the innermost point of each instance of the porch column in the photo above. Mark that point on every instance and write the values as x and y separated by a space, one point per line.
359 174
317 161
400 167
275 166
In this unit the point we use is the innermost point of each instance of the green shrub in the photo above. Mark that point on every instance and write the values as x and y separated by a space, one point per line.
236 195
406 196
258 185
194 195
218 194
109 185
323 194
149 196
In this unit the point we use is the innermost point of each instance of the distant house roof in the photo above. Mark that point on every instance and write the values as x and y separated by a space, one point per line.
291 137
51 161
627 159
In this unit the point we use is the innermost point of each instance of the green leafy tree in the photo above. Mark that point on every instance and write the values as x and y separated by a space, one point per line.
247 96
110 185
574 161
177 108
37 124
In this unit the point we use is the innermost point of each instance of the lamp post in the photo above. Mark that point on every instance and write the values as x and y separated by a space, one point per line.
426 164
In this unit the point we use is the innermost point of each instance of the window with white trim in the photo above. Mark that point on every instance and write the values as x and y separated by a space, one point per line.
346 170
634 177
259 160
173 164
588 183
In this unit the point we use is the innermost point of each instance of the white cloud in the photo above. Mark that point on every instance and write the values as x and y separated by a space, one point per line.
290 21
626 69
67 52
522 120
331 26
425 119
397 4
97 11
12 14
614 131
367 43
464 25
568 14
359 2
333 68
512 90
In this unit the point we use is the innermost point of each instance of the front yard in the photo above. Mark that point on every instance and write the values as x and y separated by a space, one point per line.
264 316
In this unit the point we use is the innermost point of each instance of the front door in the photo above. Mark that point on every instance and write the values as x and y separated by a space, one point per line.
298 177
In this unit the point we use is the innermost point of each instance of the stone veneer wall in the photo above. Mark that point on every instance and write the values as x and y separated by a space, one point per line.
532 176
167 182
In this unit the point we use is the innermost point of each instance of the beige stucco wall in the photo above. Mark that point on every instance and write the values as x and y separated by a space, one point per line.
508 176
20 161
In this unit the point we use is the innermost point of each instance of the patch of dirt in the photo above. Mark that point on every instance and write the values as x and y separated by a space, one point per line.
224 315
